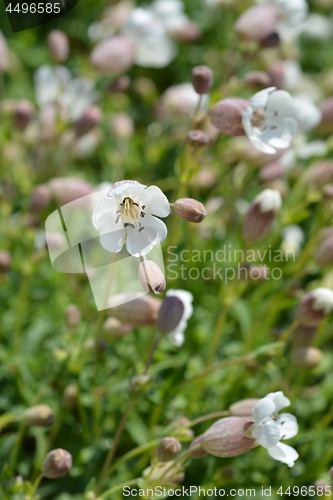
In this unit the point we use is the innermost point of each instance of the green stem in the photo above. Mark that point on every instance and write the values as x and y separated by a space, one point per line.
151 355
217 335
16 449
119 487
36 485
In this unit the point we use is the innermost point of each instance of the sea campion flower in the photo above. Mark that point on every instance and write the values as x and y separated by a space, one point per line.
270 428
269 121
315 306
177 335
129 209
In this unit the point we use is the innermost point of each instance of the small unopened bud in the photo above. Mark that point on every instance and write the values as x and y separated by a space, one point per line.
226 115
23 113
58 45
151 277
257 80
257 23
331 473
225 438
122 126
3 54
315 306
190 210
139 384
253 272
324 255
198 138
5 260
327 110
40 198
72 315
67 189
243 408
57 463
306 357
261 214
90 118
202 79
170 314
38 416
120 85
168 448
115 329
70 396
272 171
320 173
198 452
114 55
134 310
187 33
303 336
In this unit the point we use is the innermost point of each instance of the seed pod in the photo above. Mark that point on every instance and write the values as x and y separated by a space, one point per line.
58 45
202 79
226 115
23 113
115 329
151 277
72 315
257 23
5 260
90 118
70 396
257 80
225 438
38 416
315 306
57 463
170 314
40 198
190 210
243 408
134 310
261 214
168 448
199 452
114 55
303 336
198 138
306 357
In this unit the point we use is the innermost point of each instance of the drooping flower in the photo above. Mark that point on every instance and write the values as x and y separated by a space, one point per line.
270 428
129 209
177 335
269 121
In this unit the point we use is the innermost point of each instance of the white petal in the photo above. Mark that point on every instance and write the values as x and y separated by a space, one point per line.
123 189
177 338
284 453
259 99
112 237
264 408
157 225
139 244
281 102
268 433
279 132
288 425
156 202
104 212
280 400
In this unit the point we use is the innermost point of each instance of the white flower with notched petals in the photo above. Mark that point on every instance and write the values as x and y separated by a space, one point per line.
177 335
270 428
269 121
129 209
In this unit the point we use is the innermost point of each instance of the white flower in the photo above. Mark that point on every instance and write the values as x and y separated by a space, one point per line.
323 300
177 335
269 120
171 14
269 427
128 209
293 238
307 114
269 199
291 12
57 86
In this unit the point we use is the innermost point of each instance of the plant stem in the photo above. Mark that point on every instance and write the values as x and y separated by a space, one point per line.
151 356
16 449
119 487
217 335
36 485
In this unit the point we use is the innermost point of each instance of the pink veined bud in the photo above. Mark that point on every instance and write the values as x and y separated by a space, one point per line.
188 33
257 23
3 54
5 260
56 464
198 452
261 215
90 118
243 408
320 173
190 210
257 80
202 79
122 126
67 189
198 138
38 416
225 438
58 45
134 310
168 448
226 115
72 315
115 329
23 113
114 55
170 314
151 277
306 357
254 273
70 395
40 198
119 85
303 336
324 256
271 171
314 307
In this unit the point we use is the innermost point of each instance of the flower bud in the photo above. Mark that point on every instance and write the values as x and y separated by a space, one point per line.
257 23
58 45
331 473
190 210
198 138
139 384
38 416
72 315
115 329
320 173
243 408
306 357
70 396
324 255
328 191
271 40
23 113
202 79
327 110
119 85
272 171
253 272
226 115
3 54
261 214
122 126
187 33
303 336
225 438
168 448
57 463
40 198
114 55
151 277
90 118
315 306
67 189
257 80
199 452
170 314
134 310
321 486
5 260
